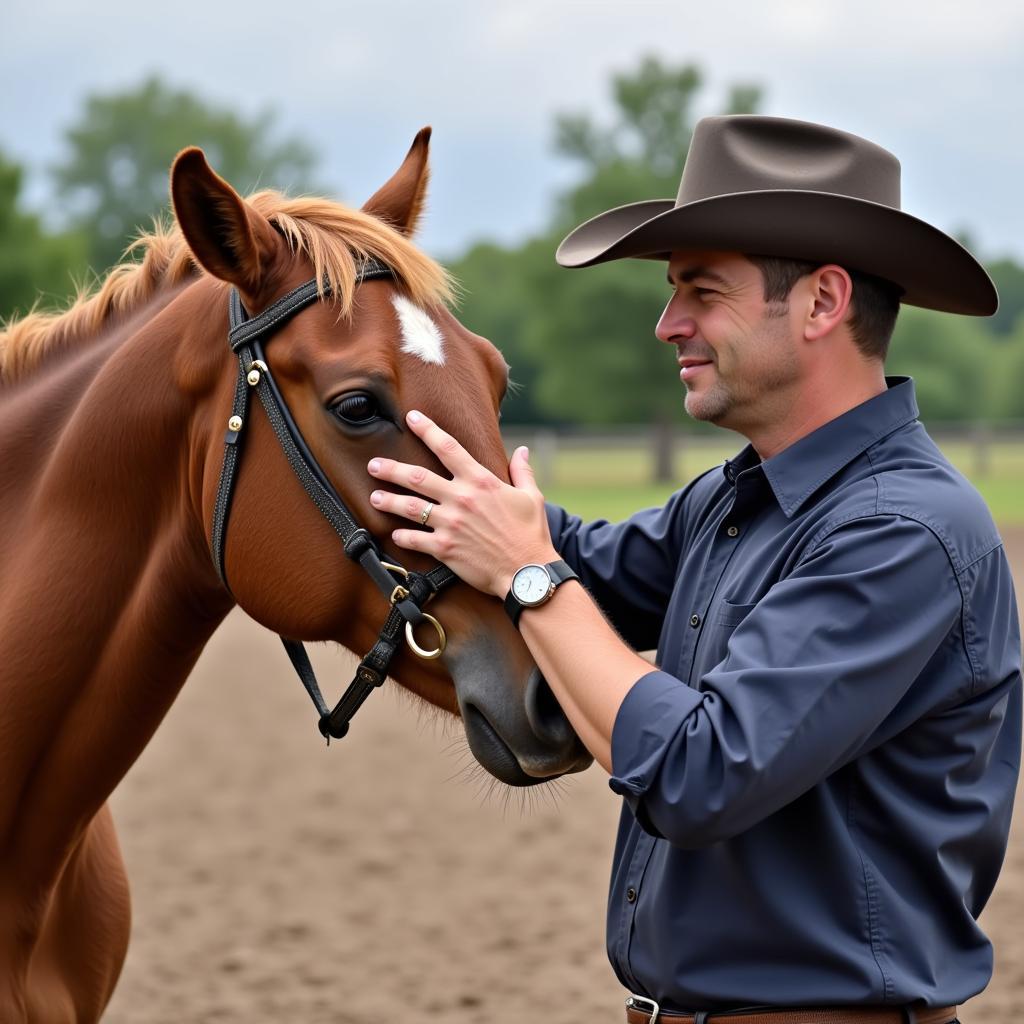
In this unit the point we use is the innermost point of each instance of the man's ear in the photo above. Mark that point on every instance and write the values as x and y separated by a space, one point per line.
830 294
400 201
227 237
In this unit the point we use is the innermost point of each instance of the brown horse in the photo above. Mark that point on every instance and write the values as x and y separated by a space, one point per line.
112 428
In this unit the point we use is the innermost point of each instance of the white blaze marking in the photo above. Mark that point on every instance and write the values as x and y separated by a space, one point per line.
420 335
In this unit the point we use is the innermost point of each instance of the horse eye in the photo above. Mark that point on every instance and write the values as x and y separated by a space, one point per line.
356 409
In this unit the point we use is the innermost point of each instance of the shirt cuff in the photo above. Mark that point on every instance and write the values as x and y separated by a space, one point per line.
652 713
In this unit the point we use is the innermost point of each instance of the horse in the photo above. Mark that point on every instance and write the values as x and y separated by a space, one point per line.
117 564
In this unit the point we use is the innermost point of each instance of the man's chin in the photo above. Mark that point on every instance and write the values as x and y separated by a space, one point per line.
708 408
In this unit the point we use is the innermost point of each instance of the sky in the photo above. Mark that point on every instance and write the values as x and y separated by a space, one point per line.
940 84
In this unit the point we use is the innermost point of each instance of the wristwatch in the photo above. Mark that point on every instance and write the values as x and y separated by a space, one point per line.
533 586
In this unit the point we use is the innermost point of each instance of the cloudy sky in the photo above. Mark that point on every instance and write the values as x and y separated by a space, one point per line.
941 84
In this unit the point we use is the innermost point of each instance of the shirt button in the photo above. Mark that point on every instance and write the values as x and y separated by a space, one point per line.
733 531
631 895
695 620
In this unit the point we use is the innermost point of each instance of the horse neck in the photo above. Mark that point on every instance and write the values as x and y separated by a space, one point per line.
107 593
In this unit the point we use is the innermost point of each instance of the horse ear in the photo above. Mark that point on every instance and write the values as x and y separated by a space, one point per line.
229 238
400 201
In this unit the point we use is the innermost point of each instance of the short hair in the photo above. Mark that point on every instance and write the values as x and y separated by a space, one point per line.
874 304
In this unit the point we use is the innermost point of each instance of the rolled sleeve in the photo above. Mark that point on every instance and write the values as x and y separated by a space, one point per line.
819 668
650 716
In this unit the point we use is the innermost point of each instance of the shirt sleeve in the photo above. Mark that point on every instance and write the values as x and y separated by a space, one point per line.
809 677
629 568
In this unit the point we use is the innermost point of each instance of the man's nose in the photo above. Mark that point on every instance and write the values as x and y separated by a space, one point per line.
675 323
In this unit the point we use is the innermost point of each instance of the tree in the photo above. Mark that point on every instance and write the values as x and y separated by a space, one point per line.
949 358
582 341
1008 277
115 179
35 267
594 330
495 300
640 155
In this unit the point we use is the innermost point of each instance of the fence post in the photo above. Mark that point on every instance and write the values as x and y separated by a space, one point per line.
982 437
543 456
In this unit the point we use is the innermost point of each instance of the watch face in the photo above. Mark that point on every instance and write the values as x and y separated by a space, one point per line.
531 584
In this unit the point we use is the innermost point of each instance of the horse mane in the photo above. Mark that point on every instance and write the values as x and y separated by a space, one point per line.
330 235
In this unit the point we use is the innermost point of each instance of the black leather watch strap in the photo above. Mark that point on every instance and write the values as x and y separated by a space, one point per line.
559 572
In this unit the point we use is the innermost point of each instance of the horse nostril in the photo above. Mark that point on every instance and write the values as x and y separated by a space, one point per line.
546 717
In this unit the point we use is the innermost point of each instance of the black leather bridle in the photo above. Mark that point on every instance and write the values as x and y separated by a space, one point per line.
407 591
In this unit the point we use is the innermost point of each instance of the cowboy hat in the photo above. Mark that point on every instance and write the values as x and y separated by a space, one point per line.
776 187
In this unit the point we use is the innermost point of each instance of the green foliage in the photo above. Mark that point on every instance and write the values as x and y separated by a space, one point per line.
593 333
35 267
593 330
950 360
640 154
495 303
582 341
1009 281
115 178
1007 372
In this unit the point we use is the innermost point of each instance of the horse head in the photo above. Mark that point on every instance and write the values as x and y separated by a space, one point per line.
348 368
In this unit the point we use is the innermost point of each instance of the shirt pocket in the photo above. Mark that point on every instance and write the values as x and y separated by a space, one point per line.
714 643
731 615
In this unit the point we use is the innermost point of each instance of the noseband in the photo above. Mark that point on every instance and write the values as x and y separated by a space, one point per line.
406 591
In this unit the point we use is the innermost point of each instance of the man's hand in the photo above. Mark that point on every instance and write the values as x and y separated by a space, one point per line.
479 526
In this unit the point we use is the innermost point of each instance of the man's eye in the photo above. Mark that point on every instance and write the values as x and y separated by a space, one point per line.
357 409
705 291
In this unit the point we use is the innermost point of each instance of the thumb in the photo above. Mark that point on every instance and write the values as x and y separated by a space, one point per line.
520 471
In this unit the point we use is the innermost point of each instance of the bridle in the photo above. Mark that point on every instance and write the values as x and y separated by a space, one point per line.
407 591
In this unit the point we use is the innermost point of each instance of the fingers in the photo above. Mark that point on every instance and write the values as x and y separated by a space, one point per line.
453 456
405 505
415 478
521 472
416 540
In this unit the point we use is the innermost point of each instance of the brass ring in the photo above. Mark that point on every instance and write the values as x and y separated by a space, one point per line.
442 640
425 514
404 573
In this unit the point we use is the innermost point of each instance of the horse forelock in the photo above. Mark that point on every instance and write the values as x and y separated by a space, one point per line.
331 236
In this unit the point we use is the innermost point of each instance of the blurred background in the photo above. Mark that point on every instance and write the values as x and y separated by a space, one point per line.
544 113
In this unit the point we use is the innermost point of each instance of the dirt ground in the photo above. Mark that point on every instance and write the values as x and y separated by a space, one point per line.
277 880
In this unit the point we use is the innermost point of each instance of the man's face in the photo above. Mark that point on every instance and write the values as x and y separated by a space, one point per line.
737 353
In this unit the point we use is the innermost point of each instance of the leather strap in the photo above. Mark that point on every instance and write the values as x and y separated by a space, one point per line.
801 1015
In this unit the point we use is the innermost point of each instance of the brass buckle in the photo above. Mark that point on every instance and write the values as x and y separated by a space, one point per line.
645 1005
400 593
442 640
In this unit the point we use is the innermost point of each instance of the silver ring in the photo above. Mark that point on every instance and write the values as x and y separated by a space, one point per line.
425 514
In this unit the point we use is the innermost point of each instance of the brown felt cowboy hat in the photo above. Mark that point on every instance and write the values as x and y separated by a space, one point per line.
775 187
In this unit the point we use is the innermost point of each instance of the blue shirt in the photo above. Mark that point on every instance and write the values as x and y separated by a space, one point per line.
818 778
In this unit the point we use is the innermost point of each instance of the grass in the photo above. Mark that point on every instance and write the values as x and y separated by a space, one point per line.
612 483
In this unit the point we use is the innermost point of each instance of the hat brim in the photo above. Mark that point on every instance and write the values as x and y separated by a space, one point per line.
934 270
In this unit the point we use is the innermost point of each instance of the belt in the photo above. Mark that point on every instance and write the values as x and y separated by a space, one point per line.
646 1011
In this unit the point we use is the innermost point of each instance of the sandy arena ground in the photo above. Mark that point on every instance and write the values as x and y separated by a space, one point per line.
276 880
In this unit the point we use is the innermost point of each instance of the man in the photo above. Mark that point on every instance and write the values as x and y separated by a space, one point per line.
818 777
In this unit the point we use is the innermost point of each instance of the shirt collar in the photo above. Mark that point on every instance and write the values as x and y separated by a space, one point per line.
799 470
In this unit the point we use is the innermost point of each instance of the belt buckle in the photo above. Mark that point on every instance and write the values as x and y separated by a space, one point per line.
644 1004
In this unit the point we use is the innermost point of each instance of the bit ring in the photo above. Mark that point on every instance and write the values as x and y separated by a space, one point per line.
442 640
425 514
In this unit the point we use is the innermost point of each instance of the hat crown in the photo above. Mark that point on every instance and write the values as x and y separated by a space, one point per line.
749 153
